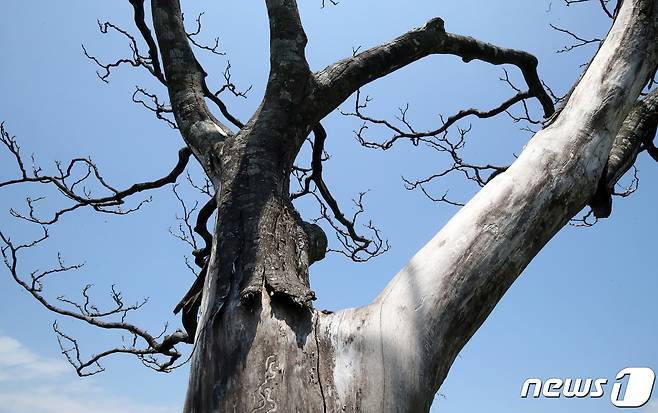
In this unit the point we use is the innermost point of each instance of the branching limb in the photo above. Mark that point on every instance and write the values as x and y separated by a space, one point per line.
186 230
136 60
191 301
143 344
438 139
605 6
480 174
580 41
338 81
151 62
409 132
230 86
188 227
355 246
161 110
157 72
140 22
71 185
191 36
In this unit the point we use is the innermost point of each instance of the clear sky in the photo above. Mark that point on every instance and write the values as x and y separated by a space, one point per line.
585 307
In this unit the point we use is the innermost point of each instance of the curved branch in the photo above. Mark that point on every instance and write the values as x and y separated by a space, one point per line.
415 136
140 22
339 80
201 228
214 49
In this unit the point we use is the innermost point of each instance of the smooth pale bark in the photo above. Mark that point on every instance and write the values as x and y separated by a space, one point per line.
392 355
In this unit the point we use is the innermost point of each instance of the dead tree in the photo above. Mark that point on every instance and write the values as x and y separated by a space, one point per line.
258 343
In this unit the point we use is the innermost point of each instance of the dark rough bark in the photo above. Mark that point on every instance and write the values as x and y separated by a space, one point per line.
185 82
338 81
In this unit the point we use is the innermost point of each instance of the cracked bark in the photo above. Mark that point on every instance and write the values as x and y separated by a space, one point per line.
260 346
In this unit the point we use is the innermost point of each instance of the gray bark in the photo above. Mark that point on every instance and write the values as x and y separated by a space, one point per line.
260 346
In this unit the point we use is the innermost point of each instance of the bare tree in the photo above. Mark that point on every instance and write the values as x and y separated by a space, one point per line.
257 342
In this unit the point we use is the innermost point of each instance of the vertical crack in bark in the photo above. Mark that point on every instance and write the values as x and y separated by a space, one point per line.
317 367
381 351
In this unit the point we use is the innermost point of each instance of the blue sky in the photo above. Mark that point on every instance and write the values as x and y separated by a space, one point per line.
585 307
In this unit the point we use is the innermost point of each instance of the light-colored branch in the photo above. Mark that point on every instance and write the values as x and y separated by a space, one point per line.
417 326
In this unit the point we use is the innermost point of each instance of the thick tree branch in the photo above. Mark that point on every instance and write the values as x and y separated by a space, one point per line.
636 134
435 304
338 81
186 83
287 42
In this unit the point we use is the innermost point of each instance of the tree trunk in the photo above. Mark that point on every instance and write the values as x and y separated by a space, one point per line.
260 347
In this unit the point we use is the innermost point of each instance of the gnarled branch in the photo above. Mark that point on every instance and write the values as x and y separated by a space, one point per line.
339 80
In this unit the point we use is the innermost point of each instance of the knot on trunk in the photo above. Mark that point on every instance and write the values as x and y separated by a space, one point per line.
317 242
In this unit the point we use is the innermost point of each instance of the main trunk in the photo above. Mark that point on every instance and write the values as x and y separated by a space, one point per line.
256 349
260 347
